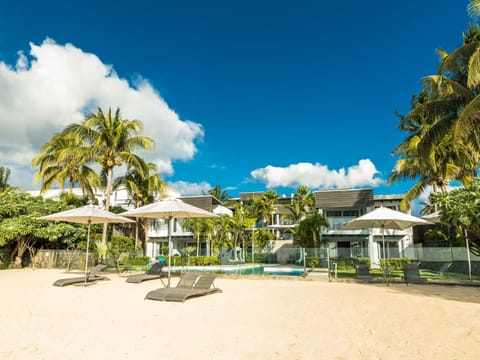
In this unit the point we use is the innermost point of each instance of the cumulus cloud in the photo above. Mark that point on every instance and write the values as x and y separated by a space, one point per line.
55 85
187 188
318 176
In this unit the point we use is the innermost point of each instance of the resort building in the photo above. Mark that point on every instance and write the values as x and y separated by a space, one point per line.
338 206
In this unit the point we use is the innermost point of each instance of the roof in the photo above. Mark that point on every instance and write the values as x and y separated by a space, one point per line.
343 198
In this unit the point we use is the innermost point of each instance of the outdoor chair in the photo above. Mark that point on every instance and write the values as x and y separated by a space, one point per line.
155 272
362 272
411 274
91 276
201 285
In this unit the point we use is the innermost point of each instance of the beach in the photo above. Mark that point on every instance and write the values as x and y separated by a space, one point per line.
250 319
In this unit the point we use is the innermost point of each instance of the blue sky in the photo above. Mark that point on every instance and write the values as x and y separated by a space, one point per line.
245 94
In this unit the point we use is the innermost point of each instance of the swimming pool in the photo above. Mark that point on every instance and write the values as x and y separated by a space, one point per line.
246 269
263 270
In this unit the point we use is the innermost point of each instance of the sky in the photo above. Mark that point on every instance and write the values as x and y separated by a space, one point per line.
248 95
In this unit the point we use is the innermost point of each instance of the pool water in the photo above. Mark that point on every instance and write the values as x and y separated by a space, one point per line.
261 270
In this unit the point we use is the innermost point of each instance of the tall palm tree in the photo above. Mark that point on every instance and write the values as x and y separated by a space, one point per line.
64 159
4 178
143 188
111 142
442 142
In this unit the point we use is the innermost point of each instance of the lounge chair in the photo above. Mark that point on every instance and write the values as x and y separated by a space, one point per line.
362 272
91 276
202 285
411 274
155 272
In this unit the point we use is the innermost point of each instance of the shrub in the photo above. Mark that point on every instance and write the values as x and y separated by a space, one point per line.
349 263
395 263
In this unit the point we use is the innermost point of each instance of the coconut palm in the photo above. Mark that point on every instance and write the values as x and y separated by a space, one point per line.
220 194
64 159
111 142
196 226
265 206
302 203
442 143
4 178
308 232
143 188
239 222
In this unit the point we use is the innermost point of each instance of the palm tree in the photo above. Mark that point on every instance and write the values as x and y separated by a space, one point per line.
239 222
4 178
143 188
196 226
220 194
474 8
63 159
442 143
302 203
265 206
111 142
308 232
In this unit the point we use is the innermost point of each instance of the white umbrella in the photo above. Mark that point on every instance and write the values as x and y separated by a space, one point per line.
168 209
384 218
88 214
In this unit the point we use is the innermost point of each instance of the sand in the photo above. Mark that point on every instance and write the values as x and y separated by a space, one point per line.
250 319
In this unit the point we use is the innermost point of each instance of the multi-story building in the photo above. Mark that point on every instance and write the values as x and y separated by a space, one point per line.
338 206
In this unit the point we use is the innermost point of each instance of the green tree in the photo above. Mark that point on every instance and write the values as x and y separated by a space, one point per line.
441 145
220 194
64 159
308 232
111 141
21 228
460 208
303 202
143 188
4 178
196 226
239 222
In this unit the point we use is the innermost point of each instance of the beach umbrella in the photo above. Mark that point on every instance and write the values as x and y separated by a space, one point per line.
88 214
384 218
168 209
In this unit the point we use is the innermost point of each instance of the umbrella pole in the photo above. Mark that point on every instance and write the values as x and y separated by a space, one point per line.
468 256
86 257
169 249
384 259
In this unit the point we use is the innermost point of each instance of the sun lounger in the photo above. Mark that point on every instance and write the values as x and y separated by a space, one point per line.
90 277
411 274
155 272
202 285
362 272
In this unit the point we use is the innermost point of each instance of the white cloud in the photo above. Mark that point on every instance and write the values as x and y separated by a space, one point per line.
188 188
318 176
56 84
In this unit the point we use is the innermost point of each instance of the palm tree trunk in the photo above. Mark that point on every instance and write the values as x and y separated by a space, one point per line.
198 244
108 191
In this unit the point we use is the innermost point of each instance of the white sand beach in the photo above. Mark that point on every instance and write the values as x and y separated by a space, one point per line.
250 319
